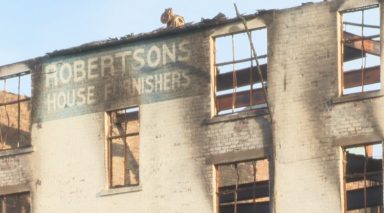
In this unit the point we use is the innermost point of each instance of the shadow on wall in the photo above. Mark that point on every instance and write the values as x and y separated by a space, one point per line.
267 127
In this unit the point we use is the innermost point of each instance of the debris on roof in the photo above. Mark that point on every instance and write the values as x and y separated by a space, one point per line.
172 20
219 19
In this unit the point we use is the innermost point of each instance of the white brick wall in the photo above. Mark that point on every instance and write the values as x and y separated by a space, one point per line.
177 136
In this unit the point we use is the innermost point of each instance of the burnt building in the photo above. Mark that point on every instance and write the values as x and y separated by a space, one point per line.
278 111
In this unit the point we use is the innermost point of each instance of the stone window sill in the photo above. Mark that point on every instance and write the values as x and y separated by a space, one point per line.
357 97
18 151
120 190
236 116
358 140
4 190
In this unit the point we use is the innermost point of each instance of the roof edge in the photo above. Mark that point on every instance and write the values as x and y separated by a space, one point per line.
204 24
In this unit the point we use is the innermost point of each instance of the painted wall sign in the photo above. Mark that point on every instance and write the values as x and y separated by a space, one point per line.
125 76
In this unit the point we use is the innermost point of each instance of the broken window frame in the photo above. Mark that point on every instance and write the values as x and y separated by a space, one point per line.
358 79
251 99
18 197
18 102
239 191
111 118
364 174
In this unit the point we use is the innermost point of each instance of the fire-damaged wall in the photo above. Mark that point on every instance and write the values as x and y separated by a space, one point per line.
155 96
303 81
15 145
168 79
14 170
141 73
312 121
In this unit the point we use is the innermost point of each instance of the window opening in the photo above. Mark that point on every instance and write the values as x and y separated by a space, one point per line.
238 85
123 147
15 93
243 187
361 50
363 178
15 203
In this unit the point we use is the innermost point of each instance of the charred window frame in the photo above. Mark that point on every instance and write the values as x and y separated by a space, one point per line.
238 86
361 53
363 178
19 202
243 187
15 111
123 147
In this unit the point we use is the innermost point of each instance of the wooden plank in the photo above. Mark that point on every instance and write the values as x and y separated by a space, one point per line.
353 78
354 41
352 54
241 60
13 70
361 25
225 81
224 102
15 101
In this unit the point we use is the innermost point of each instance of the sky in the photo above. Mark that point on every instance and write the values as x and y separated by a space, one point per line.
34 28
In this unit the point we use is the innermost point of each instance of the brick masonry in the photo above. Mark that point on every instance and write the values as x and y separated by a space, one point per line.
303 84
178 134
14 170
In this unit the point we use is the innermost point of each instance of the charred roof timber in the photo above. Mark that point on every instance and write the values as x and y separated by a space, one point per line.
218 20
256 113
